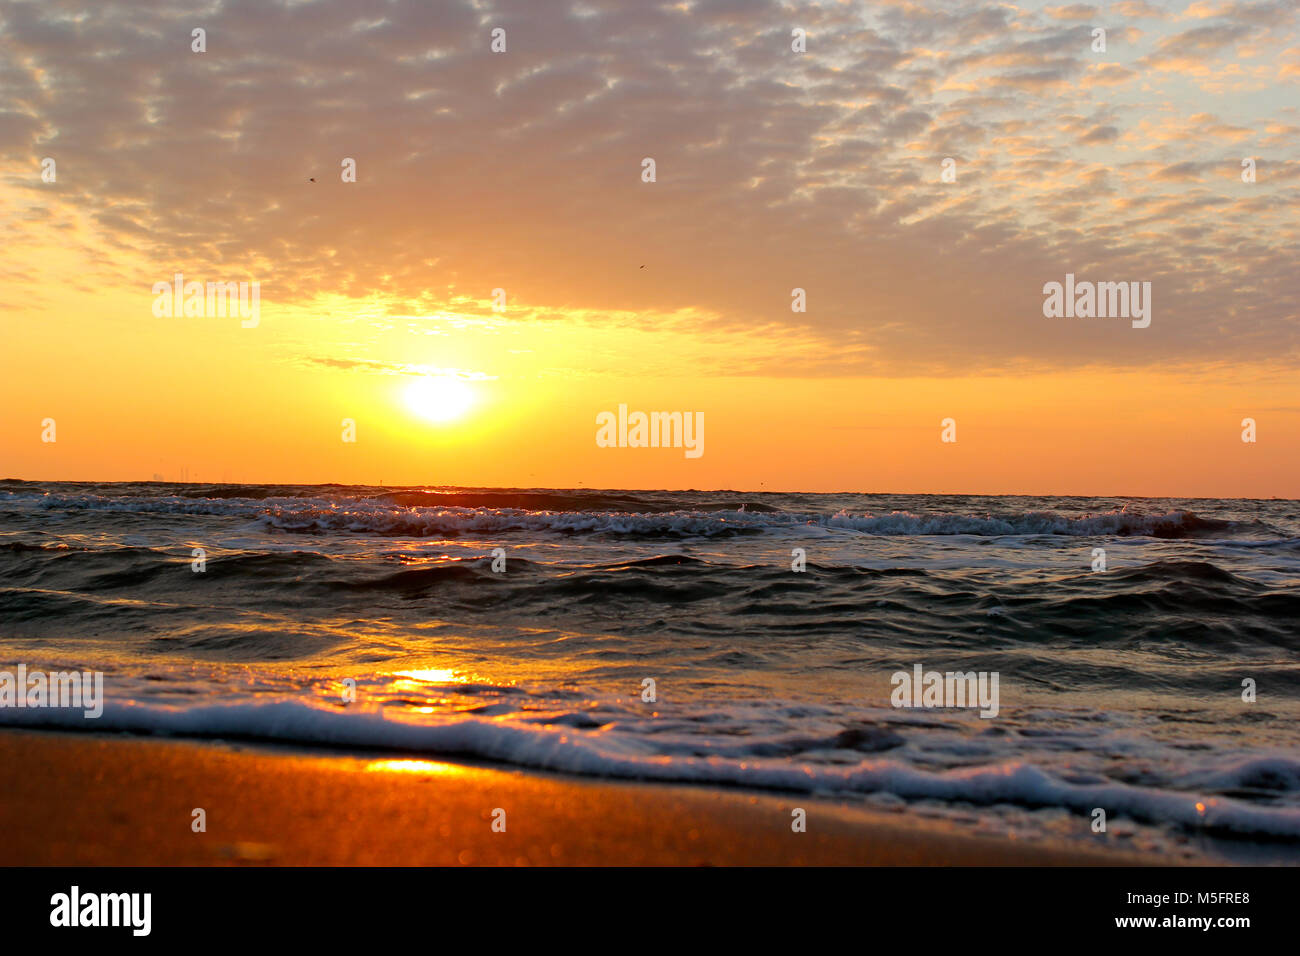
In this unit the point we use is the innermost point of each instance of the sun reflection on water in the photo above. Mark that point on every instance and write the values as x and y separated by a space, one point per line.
431 675
410 766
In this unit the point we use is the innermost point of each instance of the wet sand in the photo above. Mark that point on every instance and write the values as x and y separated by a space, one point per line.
68 799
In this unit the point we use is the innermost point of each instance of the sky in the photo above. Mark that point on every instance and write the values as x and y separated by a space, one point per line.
501 271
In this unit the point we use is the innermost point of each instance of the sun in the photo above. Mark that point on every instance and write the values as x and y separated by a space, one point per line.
439 399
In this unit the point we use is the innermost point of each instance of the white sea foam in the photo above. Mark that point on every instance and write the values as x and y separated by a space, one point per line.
563 749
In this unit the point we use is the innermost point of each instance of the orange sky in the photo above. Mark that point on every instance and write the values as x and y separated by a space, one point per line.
522 171
149 396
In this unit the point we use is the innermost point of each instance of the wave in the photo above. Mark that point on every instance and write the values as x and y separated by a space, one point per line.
522 499
387 514
560 746
571 501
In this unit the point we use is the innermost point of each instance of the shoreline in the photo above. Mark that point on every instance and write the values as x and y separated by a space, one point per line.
110 799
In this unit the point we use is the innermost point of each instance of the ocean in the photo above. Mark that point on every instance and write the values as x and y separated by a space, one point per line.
722 639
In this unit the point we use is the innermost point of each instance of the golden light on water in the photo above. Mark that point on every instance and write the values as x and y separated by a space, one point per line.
418 681
430 675
410 766
439 398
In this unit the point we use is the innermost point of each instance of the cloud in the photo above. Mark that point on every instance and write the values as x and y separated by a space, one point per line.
1138 10
1075 11
775 169
391 368
1100 134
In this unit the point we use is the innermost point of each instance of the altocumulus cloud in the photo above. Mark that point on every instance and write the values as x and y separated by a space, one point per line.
775 169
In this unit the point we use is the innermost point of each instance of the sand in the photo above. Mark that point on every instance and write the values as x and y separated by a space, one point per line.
90 800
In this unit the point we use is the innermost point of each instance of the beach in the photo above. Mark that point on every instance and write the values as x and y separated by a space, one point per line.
1016 668
682 434
78 799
